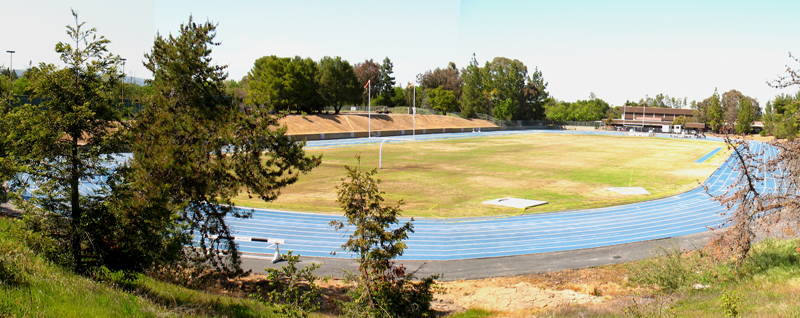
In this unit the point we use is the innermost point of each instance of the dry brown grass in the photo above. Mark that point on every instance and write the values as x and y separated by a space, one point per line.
450 178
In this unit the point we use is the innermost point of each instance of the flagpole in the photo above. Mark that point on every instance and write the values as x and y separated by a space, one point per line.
369 108
414 115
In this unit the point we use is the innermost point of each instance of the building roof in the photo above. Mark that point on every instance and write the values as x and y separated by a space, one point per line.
658 110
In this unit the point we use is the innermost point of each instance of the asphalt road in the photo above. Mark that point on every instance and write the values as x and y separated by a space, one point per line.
476 268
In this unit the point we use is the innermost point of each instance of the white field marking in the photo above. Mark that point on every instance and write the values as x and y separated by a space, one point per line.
515 202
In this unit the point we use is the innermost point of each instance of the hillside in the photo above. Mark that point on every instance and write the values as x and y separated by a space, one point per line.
315 124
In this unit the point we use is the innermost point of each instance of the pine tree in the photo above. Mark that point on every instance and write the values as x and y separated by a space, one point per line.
715 114
384 289
745 116
386 86
194 150
52 149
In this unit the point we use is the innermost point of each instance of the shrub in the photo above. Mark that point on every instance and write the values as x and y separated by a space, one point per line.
294 292
670 270
383 289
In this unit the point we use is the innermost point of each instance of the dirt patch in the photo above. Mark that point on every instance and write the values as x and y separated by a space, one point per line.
519 296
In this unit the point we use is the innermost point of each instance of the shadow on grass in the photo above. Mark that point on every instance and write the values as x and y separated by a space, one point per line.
184 300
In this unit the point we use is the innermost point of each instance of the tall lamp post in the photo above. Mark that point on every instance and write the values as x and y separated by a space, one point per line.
10 69
414 112
123 82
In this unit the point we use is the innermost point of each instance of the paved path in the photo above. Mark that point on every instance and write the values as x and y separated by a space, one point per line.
477 268
689 213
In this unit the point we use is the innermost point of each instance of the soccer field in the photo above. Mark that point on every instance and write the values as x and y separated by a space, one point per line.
450 178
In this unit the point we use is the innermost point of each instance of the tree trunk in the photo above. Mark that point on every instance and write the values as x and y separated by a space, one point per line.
76 208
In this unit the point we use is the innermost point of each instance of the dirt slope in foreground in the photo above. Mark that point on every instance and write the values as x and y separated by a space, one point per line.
315 124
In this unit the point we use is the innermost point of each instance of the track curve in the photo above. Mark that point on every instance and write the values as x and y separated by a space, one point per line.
308 234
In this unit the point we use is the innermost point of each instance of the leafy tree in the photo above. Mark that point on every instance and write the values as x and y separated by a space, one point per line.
730 105
384 289
443 100
448 78
399 97
781 119
473 99
680 120
614 112
194 151
420 93
237 90
582 110
284 84
746 116
386 83
499 80
368 71
700 113
715 113
661 100
67 140
338 83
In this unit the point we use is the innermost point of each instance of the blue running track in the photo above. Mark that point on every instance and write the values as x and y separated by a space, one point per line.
308 234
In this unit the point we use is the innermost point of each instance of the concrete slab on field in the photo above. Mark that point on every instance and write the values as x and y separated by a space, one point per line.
629 190
515 202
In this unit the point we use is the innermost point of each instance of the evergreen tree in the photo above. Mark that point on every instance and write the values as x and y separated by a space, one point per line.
745 117
383 289
715 114
472 98
50 150
194 151
338 83
386 85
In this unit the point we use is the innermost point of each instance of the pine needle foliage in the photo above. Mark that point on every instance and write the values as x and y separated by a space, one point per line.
193 150
383 288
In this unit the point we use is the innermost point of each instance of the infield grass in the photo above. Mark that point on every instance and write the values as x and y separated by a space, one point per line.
450 178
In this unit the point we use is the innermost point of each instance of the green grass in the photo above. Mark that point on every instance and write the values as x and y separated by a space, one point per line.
472 313
768 285
450 178
33 287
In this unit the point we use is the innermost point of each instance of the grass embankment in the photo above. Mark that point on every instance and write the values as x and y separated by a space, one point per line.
31 286
450 178
767 284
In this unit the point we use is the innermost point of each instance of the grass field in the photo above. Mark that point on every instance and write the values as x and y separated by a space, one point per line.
450 178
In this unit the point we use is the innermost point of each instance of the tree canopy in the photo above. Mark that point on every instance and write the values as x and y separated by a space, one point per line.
503 84
386 82
368 71
195 150
284 84
338 84
67 140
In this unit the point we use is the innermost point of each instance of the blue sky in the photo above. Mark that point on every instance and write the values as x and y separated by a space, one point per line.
620 50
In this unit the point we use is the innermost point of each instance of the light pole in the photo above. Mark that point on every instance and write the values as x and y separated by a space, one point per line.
123 82
414 113
10 69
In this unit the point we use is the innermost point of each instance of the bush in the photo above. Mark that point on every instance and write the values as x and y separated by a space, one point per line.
383 289
294 293
658 308
670 270
730 303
